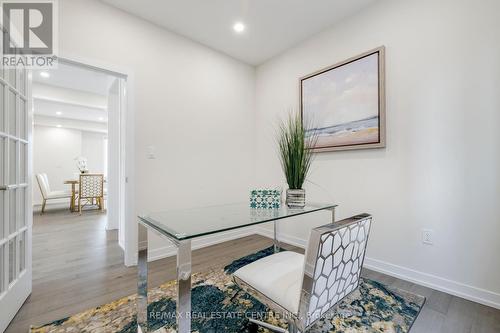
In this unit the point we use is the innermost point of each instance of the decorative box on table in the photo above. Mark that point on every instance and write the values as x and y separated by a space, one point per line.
265 198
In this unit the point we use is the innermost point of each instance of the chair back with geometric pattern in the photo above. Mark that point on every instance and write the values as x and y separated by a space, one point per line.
91 185
332 267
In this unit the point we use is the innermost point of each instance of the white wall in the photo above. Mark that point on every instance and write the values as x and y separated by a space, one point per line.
54 150
194 104
93 150
440 169
54 153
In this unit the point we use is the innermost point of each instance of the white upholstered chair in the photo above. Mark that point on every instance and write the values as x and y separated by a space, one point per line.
47 193
305 287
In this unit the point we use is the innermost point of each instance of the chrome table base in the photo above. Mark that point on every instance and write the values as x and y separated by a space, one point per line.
184 287
183 309
142 280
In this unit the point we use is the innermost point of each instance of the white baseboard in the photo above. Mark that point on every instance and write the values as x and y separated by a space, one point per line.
55 204
51 204
455 288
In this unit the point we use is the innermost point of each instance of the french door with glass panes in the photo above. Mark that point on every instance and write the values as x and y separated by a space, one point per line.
15 192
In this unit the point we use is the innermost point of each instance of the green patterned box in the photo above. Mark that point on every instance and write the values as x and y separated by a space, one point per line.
265 198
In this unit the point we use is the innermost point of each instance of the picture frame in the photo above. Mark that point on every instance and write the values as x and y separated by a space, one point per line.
344 104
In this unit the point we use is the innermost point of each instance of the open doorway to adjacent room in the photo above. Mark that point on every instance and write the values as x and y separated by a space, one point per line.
78 195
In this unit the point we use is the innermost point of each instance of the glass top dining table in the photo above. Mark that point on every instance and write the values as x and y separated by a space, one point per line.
183 225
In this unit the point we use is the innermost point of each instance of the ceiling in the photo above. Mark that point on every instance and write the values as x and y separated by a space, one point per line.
71 96
77 78
272 26
63 110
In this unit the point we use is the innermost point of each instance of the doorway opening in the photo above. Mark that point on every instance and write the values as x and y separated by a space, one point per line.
57 127
78 159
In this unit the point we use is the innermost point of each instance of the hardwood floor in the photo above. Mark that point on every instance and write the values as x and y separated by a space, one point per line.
78 265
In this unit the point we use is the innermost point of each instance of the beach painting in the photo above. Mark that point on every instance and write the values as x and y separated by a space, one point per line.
345 104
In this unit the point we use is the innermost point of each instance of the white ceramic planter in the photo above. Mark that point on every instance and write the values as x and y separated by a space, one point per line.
295 198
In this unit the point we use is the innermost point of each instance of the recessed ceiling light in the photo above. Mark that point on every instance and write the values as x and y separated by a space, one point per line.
239 27
58 113
45 74
101 118
58 126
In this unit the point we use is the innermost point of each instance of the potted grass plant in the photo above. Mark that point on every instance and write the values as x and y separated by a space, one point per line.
295 141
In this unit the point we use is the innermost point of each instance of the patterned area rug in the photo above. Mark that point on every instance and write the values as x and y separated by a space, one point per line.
219 306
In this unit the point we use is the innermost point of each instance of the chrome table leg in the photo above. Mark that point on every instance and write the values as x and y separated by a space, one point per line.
333 214
292 327
184 287
276 242
142 281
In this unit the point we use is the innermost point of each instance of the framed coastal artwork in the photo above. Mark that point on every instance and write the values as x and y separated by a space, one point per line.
344 104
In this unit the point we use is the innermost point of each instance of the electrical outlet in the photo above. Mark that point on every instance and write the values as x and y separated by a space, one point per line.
427 236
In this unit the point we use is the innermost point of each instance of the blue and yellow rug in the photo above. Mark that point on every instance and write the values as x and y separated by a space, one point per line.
219 306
